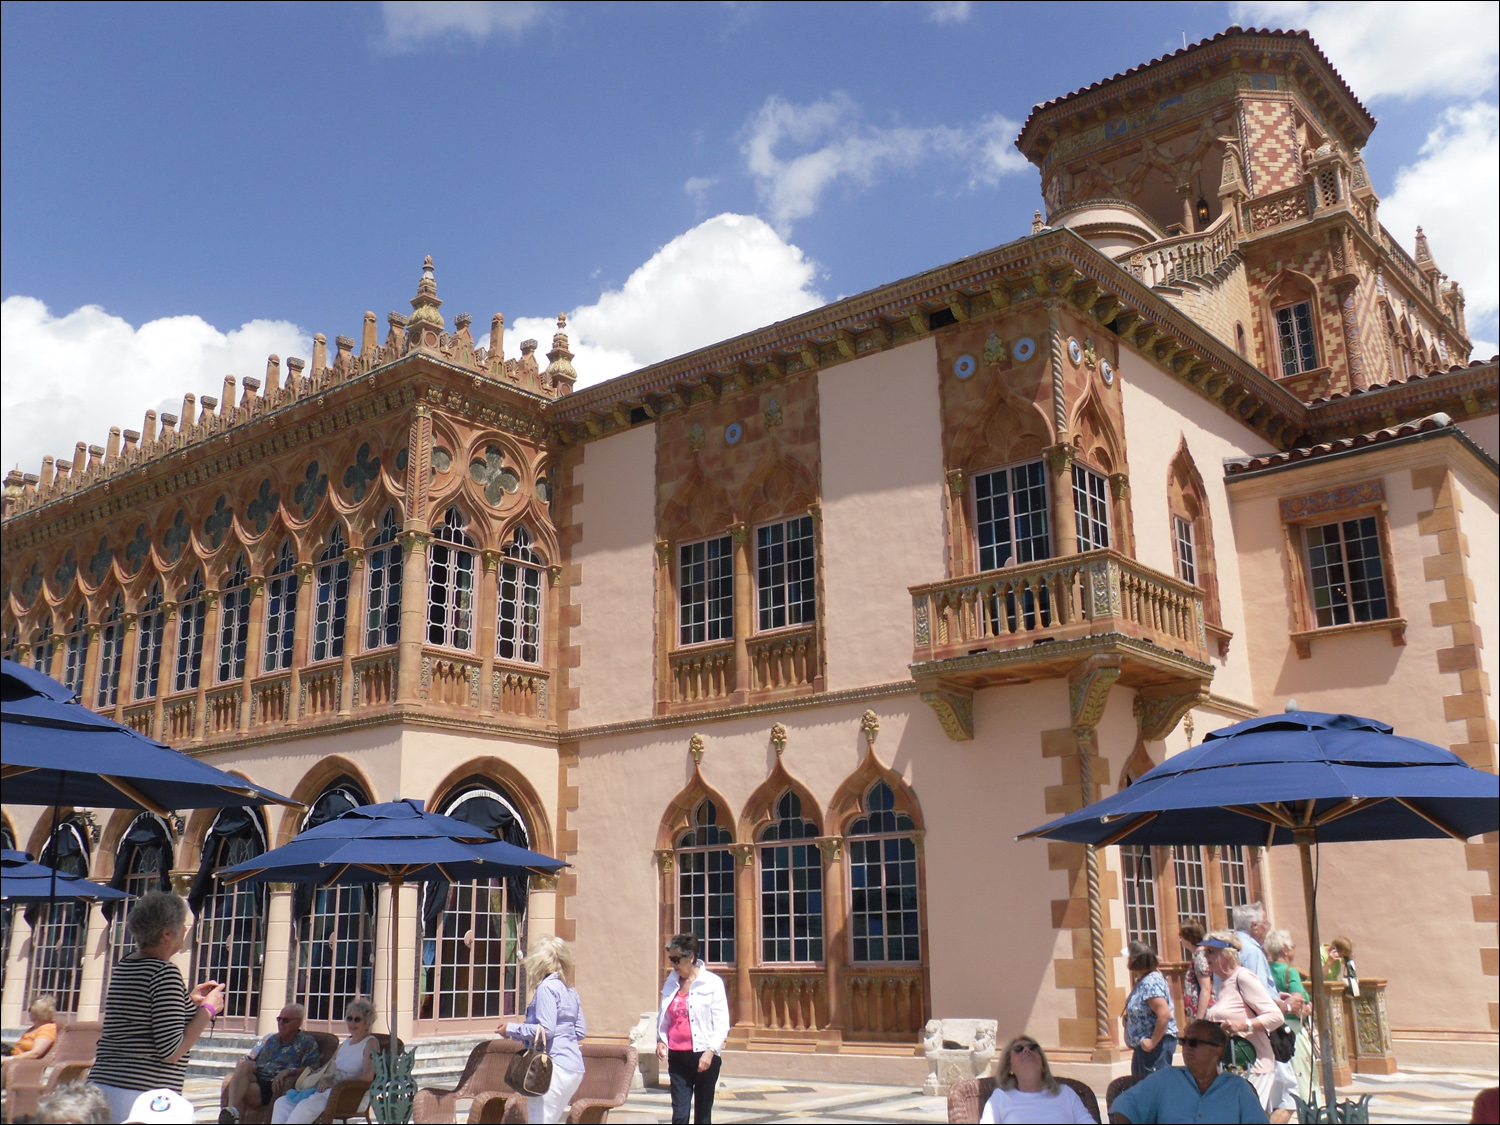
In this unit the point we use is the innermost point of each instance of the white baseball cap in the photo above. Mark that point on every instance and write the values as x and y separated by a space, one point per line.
161 1107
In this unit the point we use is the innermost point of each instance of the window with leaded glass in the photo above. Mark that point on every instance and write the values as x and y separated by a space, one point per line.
705 884
234 622
791 887
383 603
152 624
330 599
231 918
1346 572
191 615
1294 332
884 912
785 578
450 584
76 651
60 928
335 928
1183 552
1234 874
705 591
142 864
111 654
281 610
518 626
1090 508
1138 879
1010 515
41 647
1192 896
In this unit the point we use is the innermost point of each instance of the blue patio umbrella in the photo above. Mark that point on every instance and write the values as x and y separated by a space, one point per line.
22 880
397 843
52 749
1303 777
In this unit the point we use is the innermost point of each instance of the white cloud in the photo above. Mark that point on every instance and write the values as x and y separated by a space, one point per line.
948 11
843 148
1396 50
1453 192
697 189
65 379
725 276
408 25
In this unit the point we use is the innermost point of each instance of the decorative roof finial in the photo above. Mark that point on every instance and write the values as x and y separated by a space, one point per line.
1036 222
424 308
560 374
1424 252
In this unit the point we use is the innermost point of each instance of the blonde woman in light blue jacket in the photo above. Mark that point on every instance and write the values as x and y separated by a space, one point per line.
692 1023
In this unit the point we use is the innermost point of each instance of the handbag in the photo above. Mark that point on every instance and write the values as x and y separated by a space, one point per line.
309 1078
1283 1043
1239 1054
530 1071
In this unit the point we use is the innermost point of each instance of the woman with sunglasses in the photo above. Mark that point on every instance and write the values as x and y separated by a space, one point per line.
354 1062
554 1022
1026 1091
692 1023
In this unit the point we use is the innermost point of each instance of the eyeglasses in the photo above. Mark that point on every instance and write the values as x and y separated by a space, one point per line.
354 1019
675 959
289 1019
1025 1048
1190 1041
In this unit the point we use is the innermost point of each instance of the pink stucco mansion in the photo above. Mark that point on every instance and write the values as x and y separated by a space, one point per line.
786 639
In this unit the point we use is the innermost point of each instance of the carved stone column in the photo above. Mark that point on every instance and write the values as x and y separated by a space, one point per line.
59 655
95 956
835 939
1064 521
959 546
182 882
413 614
13 1000
129 656
1348 292
487 602
354 622
666 623
255 643
167 673
276 965
211 610
88 691
744 612
744 936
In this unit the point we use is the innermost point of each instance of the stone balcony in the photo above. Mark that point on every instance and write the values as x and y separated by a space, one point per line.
1043 620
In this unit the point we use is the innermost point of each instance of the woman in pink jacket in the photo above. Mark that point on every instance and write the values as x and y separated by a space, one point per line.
1243 1007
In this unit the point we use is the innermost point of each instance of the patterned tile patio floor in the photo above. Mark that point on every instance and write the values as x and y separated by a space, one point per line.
1415 1094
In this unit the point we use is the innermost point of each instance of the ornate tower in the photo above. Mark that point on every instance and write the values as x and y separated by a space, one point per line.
1228 177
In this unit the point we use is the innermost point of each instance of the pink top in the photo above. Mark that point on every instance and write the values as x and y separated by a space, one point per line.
1244 999
679 1030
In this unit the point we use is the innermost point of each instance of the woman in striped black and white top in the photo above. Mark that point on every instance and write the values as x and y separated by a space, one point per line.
151 1021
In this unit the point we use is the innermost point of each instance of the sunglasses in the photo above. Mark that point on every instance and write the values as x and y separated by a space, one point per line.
354 1019
287 1019
1190 1041
1025 1048
675 959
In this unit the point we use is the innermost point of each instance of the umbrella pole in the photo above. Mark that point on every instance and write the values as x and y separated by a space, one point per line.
1322 1011
395 967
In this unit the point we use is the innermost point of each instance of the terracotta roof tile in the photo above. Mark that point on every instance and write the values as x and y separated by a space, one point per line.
1238 465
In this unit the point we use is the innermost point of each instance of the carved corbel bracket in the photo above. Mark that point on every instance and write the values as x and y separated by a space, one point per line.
869 722
778 738
1088 690
541 882
696 747
743 853
1159 710
958 483
954 708
664 860
356 557
831 846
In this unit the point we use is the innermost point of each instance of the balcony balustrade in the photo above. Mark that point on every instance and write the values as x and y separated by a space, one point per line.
375 679
703 673
271 700
884 1004
790 1003
785 660
322 690
223 710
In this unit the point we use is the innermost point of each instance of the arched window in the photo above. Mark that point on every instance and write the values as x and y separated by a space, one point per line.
190 617
41 647
791 887
111 654
705 884
518 628
1090 507
474 932
76 647
152 624
884 912
234 622
58 929
383 606
231 917
331 599
281 610
1192 530
143 863
335 929
450 584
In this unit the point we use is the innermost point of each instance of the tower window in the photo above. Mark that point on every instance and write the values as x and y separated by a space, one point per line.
1294 329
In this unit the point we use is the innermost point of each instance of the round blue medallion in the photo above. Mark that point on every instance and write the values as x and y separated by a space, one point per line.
1075 350
732 433
1025 348
1108 372
963 366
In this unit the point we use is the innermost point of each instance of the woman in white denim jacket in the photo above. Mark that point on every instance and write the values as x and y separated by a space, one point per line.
692 1023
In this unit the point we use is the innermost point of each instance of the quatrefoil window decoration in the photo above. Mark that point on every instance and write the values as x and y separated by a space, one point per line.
99 563
262 507
359 476
66 571
31 583
176 537
493 474
217 522
307 494
401 455
138 549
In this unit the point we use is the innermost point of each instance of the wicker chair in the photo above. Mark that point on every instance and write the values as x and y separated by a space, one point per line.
345 1097
327 1045
966 1100
69 1059
607 1072
483 1073
1116 1088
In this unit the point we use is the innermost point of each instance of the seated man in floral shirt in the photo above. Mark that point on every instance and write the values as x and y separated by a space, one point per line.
271 1067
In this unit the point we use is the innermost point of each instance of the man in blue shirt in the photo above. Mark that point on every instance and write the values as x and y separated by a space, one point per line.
1251 925
1195 1092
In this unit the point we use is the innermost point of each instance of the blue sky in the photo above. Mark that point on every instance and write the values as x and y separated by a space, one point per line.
186 188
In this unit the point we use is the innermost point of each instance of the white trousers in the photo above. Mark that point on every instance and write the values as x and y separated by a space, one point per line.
285 1112
552 1106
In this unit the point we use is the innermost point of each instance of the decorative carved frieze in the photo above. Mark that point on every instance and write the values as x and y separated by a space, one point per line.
1333 500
